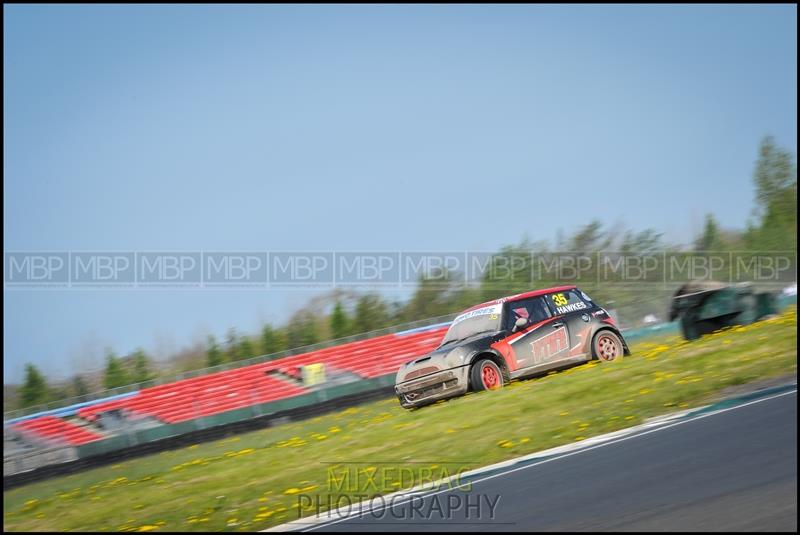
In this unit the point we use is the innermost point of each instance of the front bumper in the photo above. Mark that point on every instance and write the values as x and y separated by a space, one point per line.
439 385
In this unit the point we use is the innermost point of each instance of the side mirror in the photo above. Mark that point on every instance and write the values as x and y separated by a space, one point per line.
520 323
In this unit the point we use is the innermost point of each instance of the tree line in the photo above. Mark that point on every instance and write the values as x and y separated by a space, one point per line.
772 226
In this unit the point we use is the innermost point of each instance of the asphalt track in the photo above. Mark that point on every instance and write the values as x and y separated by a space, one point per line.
731 470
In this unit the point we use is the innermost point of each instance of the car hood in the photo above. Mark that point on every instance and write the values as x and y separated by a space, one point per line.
447 357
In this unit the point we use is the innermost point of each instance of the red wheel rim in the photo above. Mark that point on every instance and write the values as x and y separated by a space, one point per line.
607 348
491 379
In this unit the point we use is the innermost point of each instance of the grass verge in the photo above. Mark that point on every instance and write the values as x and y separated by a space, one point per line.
256 480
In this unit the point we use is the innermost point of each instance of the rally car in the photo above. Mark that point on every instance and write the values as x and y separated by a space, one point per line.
495 342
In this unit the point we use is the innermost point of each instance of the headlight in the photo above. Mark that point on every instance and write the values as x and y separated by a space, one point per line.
456 357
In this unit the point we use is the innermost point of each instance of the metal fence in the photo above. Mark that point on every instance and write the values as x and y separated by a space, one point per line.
32 460
102 394
121 431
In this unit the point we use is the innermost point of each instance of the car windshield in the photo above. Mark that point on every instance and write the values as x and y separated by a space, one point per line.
485 319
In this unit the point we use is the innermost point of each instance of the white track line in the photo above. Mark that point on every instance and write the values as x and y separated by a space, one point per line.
420 489
297 524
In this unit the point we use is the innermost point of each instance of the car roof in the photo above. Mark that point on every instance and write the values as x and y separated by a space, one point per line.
517 297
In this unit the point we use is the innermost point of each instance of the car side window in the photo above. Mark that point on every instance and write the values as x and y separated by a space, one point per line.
533 310
566 302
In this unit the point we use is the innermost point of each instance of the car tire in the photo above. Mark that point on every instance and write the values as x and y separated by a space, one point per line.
607 347
486 375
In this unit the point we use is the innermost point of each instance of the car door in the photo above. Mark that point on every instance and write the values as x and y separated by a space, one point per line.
542 340
575 314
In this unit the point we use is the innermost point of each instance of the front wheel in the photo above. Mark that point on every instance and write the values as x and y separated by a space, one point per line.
486 375
607 346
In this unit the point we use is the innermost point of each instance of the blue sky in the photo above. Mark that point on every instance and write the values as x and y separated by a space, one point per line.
361 128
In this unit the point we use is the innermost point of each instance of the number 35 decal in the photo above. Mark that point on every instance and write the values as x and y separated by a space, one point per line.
559 300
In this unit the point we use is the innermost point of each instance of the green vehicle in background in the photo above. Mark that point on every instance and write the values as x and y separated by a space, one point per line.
707 306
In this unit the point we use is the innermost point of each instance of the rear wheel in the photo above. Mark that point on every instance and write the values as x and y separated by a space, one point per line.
607 346
486 375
